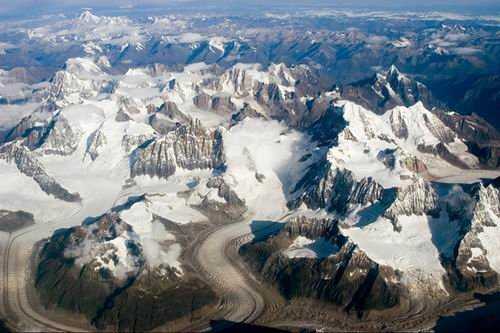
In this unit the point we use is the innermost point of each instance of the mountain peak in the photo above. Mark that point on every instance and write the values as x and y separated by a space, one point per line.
395 74
394 69
87 17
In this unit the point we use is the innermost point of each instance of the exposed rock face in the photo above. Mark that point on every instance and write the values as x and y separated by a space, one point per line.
167 299
97 140
471 268
31 167
277 89
402 123
270 94
96 245
99 269
225 191
390 89
171 110
399 126
413 164
309 257
53 135
482 139
131 142
122 116
419 198
325 186
168 118
387 90
488 154
365 191
296 259
392 158
222 104
60 139
238 79
330 123
188 147
81 78
387 157
246 111
344 275
202 101
30 128
128 108
231 207
487 209
470 128
443 152
11 221
443 133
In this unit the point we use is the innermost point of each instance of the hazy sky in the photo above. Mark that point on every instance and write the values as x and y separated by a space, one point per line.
32 7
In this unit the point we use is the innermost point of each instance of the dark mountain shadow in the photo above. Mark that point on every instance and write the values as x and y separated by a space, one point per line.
3 327
129 203
449 227
90 220
445 236
495 182
262 230
481 319
324 133
371 213
58 232
231 326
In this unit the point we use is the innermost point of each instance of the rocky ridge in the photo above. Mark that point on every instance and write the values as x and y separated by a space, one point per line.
187 147
27 164
105 260
331 269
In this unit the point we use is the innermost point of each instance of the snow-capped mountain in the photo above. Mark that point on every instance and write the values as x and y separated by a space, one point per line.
153 151
389 89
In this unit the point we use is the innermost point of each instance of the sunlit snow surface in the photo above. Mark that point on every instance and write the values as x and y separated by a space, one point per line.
374 133
20 192
413 250
151 233
303 247
255 147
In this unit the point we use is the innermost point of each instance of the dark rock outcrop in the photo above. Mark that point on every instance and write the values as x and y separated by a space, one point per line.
52 134
335 189
231 209
470 269
387 90
418 198
346 278
187 147
168 118
144 298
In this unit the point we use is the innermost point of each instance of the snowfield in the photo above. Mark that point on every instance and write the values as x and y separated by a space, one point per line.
262 161
414 250
303 247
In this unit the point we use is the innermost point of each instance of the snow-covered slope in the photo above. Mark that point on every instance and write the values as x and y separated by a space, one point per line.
153 148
